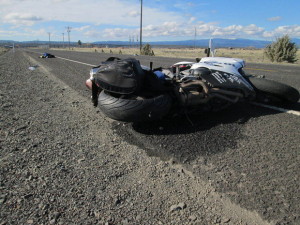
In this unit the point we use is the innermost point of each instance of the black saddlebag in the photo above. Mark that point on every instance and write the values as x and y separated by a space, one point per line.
121 76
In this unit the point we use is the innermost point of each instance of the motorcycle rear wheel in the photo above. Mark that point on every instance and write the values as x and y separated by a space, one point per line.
269 87
134 109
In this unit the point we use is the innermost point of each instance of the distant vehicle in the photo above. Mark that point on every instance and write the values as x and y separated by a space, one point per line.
8 46
47 55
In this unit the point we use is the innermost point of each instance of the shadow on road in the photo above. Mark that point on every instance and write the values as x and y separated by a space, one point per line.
295 107
184 139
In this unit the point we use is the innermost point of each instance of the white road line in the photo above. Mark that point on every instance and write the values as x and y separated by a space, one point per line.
297 113
67 59
75 61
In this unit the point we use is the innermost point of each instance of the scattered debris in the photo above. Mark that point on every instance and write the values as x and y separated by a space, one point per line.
178 207
33 67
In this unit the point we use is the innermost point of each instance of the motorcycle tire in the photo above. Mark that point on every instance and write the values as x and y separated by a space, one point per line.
135 109
273 88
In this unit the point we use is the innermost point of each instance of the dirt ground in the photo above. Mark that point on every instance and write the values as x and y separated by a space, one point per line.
61 164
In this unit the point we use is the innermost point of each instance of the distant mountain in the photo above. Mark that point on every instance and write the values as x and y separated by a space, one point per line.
7 41
203 43
218 43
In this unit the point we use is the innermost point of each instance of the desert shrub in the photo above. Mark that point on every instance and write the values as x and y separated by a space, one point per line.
147 50
3 50
282 50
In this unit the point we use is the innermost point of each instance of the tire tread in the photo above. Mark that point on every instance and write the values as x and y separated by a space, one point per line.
134 110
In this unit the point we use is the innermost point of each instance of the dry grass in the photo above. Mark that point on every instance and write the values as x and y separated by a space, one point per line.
3 50
250 55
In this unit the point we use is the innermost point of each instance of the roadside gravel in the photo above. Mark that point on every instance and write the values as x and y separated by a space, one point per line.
62 163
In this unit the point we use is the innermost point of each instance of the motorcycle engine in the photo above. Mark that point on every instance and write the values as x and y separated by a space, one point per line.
192 92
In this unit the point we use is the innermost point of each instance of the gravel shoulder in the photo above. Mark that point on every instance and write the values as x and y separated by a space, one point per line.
62 163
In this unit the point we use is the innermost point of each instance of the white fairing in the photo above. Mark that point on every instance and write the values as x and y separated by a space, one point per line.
184 63
228 65
212 48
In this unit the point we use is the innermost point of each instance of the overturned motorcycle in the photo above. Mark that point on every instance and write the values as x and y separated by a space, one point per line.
127 91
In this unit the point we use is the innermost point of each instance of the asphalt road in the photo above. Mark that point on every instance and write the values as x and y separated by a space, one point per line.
249 153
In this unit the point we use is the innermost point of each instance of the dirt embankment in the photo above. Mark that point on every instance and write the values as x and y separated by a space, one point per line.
61 163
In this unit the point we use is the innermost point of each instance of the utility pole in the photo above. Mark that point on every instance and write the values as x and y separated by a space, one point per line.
63 40
129 41
69 30
195 38
49 38
141 25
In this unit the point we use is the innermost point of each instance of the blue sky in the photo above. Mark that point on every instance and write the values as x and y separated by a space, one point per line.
101 20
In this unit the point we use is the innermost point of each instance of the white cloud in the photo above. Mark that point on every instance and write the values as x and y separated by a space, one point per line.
35 33
276 18
293 31
80 29
192 19
252 29
19 19
123 15
27 32
204 30
134 13
95 34
113 12
116 33
8 33
238 31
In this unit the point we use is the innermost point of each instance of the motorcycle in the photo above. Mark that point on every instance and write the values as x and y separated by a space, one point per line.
127 91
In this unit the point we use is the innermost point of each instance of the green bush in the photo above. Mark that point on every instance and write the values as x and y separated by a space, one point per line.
147 50
282 50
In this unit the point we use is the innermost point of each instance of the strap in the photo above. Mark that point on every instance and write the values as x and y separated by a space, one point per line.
95 91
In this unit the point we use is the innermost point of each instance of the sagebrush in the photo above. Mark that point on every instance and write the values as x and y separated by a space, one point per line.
282 50
147 50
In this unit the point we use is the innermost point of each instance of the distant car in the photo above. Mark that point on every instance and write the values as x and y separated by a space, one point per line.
47 55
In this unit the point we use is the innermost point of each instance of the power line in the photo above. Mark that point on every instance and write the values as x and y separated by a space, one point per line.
141 25
195 38
129 41
63 40
49 38
69 30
